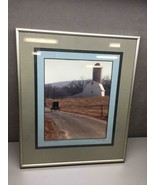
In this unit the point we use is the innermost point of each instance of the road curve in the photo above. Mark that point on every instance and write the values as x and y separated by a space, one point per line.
78 126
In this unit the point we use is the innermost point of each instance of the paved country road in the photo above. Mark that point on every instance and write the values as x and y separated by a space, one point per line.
78 126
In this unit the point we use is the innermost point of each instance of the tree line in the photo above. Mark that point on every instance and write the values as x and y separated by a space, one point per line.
72 88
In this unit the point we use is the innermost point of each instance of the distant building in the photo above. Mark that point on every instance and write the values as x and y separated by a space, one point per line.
94 87
97 72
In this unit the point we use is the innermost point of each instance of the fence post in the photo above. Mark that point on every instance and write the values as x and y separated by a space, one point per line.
101 110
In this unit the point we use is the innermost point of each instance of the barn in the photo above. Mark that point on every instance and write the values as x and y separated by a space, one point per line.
94 87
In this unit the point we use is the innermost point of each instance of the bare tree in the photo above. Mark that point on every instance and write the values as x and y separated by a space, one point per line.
106 82
76 86
48 91
73 87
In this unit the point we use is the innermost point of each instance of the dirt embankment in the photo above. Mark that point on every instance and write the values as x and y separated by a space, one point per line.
51 130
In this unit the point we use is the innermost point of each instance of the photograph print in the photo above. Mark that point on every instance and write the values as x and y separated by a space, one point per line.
76 99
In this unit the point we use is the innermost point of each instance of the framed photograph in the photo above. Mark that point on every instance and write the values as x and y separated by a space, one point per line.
75 92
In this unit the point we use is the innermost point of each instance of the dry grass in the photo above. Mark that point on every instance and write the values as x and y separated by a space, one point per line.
91 106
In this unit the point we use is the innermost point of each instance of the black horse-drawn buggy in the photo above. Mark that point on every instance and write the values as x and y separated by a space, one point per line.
55 106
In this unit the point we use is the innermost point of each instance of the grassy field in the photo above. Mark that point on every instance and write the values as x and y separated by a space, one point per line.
91 106
96 107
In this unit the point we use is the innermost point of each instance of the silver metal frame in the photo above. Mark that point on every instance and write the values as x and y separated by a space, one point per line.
75 33
18 30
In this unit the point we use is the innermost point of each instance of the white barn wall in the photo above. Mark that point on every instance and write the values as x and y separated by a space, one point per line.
93 88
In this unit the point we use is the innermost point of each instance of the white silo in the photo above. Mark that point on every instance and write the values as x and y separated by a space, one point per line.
97 72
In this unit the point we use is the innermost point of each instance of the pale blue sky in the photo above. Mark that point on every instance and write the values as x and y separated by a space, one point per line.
67 70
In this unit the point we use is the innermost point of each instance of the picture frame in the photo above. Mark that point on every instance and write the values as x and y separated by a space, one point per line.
75 93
